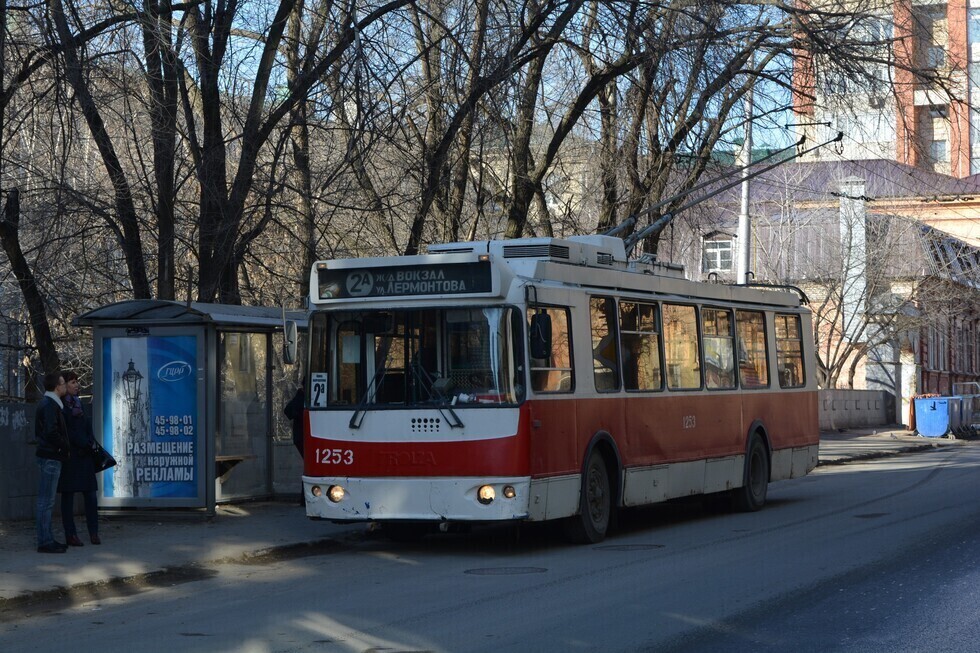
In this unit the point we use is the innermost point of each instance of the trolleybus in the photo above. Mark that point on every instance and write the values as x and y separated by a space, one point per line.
547 379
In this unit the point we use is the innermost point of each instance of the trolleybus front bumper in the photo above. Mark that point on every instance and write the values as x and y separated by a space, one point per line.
417 499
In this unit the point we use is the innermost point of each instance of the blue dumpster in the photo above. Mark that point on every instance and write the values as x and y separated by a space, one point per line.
932 416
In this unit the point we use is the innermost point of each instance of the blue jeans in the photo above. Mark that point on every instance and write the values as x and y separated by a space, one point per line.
47 488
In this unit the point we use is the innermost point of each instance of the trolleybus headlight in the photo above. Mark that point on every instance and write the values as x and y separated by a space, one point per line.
509 492
486 494
335 493
316 491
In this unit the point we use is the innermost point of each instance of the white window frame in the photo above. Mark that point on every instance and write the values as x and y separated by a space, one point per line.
711 254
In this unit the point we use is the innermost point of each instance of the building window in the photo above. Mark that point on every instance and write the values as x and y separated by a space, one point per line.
939 151
716 255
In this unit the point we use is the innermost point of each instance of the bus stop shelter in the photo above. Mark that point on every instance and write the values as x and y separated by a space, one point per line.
183 399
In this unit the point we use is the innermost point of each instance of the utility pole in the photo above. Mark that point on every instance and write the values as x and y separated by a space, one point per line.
743 237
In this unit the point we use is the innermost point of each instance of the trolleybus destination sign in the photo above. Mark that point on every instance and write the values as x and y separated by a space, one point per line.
442 279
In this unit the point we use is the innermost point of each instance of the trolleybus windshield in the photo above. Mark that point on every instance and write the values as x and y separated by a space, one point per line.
459 356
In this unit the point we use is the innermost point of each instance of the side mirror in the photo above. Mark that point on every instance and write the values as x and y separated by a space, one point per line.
539 336
289 332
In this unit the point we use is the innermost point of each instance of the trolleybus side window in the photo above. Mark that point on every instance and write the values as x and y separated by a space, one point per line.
681 347
550 348
789 351
719 358
639 332
605 356
753 364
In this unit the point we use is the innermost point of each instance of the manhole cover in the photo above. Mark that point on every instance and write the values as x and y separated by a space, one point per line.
629 547
505 571
872 515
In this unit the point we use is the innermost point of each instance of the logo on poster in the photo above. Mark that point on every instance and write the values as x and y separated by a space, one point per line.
175 371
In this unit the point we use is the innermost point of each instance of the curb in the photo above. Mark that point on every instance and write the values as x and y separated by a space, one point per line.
15 608
872 455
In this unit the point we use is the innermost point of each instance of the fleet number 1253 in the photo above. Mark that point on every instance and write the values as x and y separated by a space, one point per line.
335 456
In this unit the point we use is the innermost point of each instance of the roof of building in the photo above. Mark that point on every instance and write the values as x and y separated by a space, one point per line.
882 179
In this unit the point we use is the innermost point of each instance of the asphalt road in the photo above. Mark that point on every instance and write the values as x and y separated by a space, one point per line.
878 556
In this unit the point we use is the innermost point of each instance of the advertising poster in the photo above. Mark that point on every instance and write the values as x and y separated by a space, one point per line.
150 415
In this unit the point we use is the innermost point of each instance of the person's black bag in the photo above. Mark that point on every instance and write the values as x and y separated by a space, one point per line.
103 459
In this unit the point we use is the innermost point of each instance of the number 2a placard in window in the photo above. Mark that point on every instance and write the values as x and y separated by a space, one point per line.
318 390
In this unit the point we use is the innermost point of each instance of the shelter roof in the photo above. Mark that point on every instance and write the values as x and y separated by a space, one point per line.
161 311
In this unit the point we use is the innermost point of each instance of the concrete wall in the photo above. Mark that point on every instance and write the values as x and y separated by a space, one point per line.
848 409
18 466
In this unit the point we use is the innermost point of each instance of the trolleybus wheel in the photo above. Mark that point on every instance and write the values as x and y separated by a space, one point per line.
595 504
752 495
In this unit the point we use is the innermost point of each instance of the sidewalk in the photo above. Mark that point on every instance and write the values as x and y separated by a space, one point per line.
838 447
141 550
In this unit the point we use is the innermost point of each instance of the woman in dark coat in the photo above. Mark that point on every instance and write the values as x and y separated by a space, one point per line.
78 474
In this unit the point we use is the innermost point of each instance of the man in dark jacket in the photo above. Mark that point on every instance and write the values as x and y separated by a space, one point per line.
52 450
294 411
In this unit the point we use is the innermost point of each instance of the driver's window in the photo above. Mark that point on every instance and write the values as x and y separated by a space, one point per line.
553 373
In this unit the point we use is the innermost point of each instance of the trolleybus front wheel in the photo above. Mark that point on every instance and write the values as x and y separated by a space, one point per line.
752 495
595 504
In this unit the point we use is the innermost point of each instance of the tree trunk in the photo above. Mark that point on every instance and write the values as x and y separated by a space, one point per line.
161 76
131 241
300 138
33 298
461 168
521 190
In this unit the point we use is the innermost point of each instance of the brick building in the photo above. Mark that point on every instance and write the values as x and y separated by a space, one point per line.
920 110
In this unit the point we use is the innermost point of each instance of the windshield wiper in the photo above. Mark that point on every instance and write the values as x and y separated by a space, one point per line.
425 381
361 409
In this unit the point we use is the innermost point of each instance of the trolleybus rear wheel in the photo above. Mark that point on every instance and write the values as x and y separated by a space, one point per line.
752 495
595 504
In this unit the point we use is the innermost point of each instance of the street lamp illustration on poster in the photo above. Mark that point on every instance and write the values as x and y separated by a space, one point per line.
131 381
150 416
131 421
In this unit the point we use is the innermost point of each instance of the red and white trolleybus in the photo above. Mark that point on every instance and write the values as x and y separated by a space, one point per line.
543 379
